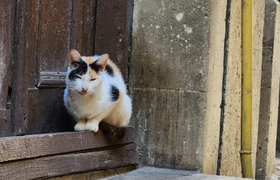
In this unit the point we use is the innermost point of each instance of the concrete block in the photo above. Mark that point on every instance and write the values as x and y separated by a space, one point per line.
177 70
171 44
258 25
214 91
169 133
229 161
269 91
191 130
176 80
155 126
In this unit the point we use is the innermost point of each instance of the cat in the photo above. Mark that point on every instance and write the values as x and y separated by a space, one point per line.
95 91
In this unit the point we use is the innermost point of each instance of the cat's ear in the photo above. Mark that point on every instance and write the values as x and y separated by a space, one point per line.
102 61
74 57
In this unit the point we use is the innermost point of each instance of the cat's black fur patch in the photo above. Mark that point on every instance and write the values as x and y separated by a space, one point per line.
96 67
115 93
81 69
109 70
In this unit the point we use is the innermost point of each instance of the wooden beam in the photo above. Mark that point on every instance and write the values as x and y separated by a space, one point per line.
51 166
31 146
99 174
52 80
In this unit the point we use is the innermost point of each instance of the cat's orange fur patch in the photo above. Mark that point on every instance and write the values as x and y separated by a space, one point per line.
93 74
89 59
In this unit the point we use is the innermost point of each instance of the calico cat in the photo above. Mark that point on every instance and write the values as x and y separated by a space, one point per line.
95 91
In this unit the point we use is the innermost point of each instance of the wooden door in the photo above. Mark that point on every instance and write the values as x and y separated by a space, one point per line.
6 56
39 36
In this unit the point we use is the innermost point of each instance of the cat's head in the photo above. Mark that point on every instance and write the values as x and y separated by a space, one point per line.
85 73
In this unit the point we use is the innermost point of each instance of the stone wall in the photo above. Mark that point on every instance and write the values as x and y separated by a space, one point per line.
230 141
176 47
268 114
258 28
186 84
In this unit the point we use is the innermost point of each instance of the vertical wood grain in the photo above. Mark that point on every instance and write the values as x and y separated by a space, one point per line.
83 24
24 68
112 34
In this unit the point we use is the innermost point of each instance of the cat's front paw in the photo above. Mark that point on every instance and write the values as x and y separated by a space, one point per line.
92 126
80 126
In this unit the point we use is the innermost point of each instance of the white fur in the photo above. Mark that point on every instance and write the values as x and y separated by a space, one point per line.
96 105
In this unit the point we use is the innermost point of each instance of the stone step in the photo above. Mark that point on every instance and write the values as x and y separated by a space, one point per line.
151 173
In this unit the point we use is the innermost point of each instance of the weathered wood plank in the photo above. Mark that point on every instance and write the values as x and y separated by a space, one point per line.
54 35
43 43
97 174
46 30
24 70
6 38
46 112
29 50
112 36
52 80
52 166
82 37
23 147
5 122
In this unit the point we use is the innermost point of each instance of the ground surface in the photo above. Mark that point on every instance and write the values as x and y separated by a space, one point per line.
149 173
276 175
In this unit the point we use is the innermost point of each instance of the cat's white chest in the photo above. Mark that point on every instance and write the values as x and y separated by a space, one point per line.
83 106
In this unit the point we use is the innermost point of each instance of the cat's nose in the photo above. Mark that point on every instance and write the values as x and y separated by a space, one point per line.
84 89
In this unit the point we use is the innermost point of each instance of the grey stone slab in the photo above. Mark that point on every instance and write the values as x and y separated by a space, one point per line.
269 99
171 44
169 132
149 173
176 76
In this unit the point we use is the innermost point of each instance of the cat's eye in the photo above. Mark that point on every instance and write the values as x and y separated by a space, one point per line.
92 79
76 76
